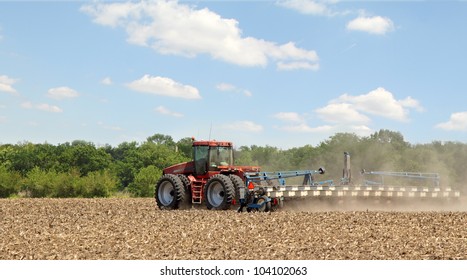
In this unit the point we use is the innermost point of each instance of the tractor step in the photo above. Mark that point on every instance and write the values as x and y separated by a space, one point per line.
197 194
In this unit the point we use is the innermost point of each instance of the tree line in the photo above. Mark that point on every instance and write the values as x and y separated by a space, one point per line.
82 169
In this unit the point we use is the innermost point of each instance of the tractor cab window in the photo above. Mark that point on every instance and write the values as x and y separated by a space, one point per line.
220 156
200 156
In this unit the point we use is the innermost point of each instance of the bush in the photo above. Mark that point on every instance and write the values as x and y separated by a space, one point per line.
97 184
145 181
39 183
66 184
9 182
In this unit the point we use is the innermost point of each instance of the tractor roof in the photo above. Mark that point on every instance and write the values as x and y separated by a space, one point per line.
212 143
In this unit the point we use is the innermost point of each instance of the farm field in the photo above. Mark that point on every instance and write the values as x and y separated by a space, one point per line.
127 228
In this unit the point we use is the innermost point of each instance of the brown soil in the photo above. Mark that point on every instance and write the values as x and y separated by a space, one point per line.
135 229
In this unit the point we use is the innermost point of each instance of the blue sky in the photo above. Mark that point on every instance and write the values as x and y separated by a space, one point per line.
281 73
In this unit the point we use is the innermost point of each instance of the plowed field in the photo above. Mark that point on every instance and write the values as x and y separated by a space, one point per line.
134 229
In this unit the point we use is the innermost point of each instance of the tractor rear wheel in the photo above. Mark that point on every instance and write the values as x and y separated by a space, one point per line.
170 192
218 192
237 183
187 185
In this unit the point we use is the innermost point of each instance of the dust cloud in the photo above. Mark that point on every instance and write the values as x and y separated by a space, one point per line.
386 205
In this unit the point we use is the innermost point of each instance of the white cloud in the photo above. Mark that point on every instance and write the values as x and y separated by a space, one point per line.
288 66
409 102
106 81
179 29
309 7
42 106
225 87
380 102
6 84
457 122
297 123
360 130
164 86
374 25
248 126
62 93
231 88
49 108
290 117
341 113
164 111
247 93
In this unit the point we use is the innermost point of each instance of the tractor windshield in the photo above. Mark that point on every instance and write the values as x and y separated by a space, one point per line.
220 156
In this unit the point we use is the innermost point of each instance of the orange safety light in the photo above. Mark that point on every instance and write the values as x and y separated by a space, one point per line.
251 186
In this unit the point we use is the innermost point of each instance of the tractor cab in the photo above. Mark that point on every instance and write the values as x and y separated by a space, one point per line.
212 156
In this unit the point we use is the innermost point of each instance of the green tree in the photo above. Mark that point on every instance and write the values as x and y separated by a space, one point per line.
85 157
185 146
161 139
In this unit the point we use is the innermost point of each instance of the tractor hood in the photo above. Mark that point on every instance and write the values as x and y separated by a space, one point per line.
181 168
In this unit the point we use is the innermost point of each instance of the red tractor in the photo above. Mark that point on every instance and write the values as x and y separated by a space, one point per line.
211 177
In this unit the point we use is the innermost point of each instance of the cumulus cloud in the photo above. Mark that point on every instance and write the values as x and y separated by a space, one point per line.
341 113
374 25
62 93
165 87
379 102
179 29
6 84
457 122
42 106
247 126
309 7
409 102
164 111
295 122
232 88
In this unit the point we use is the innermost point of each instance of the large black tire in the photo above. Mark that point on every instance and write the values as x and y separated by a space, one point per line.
170 192
218 192
187 185
237 184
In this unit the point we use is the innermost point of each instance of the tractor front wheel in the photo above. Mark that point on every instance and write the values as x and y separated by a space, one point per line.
218 192
170 192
